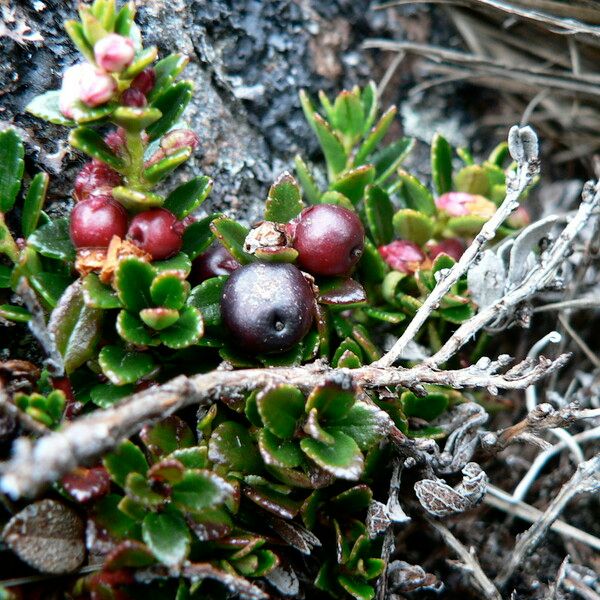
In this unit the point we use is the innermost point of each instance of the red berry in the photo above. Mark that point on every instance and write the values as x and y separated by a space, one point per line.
268 307
329 239
133 97
95 221
144 82
157 232
216 261
95 179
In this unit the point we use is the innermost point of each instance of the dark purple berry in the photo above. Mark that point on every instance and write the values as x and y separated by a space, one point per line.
95 221
95 178
329 239
144 82
133 97
268 307
216 261
157 232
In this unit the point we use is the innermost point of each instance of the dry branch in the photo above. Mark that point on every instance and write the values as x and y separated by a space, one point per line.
36 464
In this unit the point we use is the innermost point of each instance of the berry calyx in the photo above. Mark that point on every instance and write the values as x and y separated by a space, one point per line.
216 261
329 239
157 232
95 221
95 179
268 307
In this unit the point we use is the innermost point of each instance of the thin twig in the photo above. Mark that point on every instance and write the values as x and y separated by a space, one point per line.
576 303
472 566
527 169
84 440
585 479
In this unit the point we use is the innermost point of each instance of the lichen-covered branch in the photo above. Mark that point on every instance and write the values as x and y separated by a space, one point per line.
36 464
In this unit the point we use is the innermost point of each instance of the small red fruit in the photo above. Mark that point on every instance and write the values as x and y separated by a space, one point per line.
95 179
329 239
95 221
216 261
157 232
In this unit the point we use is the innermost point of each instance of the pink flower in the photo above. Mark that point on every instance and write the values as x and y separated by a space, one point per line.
452 247
403 256
114 53
173 141
97 89
71 85
458 204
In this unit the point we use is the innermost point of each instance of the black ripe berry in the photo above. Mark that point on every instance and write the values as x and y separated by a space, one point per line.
329 239
216 261
267 307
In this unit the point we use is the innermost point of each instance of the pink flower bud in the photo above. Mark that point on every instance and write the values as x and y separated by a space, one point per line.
404 256
520 218
97 89
144 82
173 141
114 53
452 247
115 140
459 204
135 98
71 85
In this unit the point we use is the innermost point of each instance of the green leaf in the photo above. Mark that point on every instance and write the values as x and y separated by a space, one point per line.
92 28
356 588
122 367
142 60
179 264
337 199
415 194
98 295
159 318
14 313
76 327
5 273
107 515
343 458
198 236
342 291
33 203
133 331
333 149
186 331
355 499
133 278
370 105
307 181
186 198
167 436
206 297
159 170
168 536
74 30
375 135
230 444
280 408
91 142
353 183
371 266
135 200
171 103
46 106
54 241
129 554
349 114
277 452
133 118
138 488
365 424
124 19
50 286
166 71
11 168
284 201
105 395
427 407
8 245
384 315
280 255
169 291
441 164
388 160
200 489
414 226
467 225
499 154
332 401
379 212
232 235
126 458
87 114
472 179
